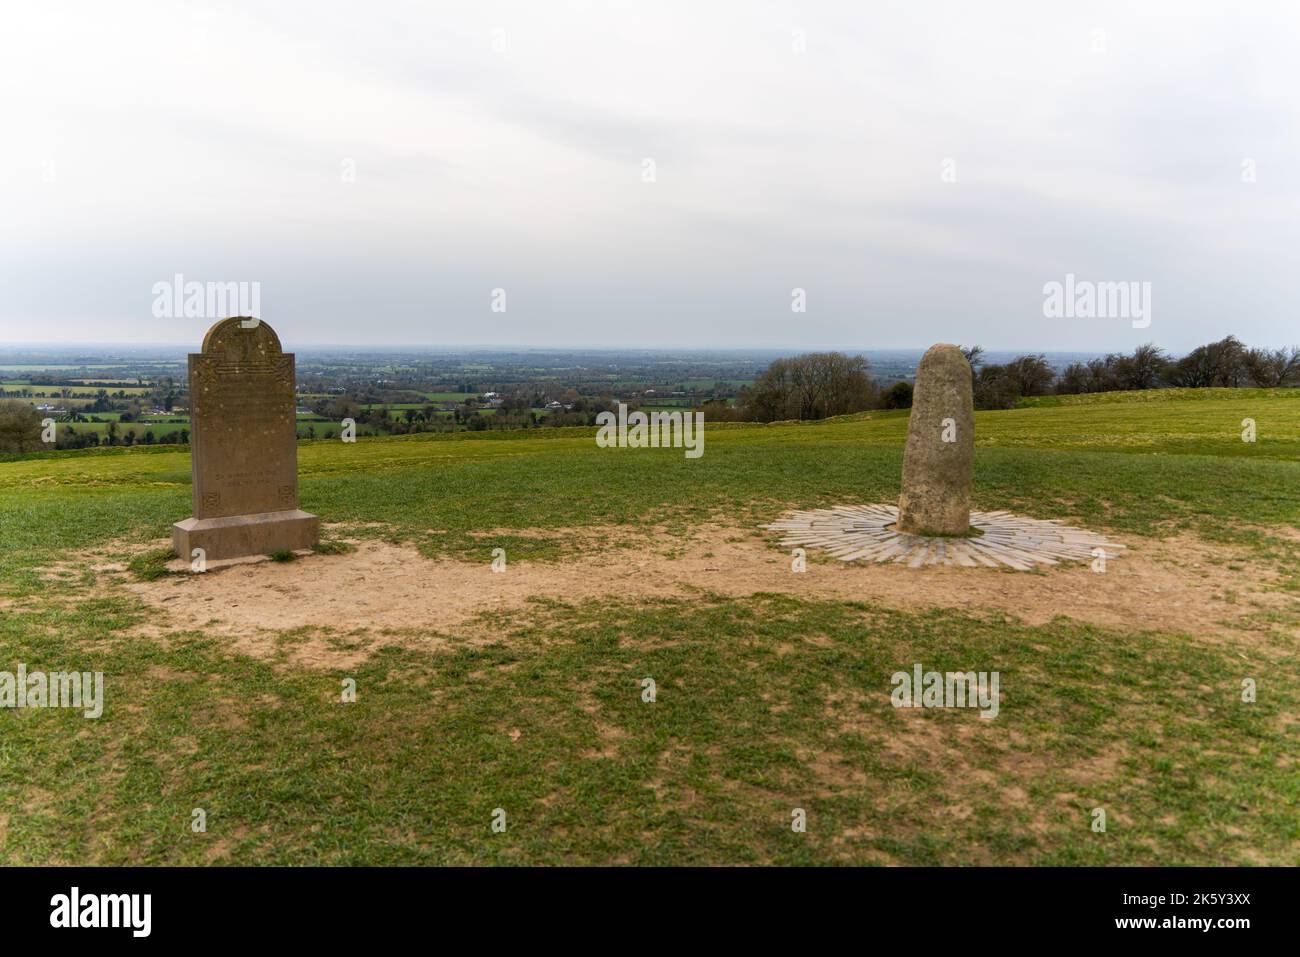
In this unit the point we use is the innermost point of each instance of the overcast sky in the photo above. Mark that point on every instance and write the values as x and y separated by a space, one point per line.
920 169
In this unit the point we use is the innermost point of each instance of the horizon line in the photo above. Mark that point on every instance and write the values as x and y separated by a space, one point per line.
510 347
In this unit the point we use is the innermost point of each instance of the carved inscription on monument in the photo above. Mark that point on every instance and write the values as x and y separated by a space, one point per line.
243 433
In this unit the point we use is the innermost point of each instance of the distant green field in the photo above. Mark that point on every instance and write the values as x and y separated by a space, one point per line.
46 368
106 416
703 385
767 701
160 423
117 416
47 392
397 409
456 397
305 423
158 429
92 391
668 405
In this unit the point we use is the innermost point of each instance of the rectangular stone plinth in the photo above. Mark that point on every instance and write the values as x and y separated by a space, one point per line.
235 536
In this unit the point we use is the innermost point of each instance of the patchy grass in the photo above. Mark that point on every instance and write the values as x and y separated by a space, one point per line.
151 565
764 704
334 546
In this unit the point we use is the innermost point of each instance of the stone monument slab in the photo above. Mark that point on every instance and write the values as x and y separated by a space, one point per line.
244 445
940 450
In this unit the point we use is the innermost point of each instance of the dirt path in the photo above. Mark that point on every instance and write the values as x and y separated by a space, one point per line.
1178 584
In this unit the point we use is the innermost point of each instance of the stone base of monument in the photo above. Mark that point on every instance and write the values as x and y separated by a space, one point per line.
868 533
236 536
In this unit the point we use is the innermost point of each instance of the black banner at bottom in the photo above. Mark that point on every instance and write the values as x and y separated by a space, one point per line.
338 905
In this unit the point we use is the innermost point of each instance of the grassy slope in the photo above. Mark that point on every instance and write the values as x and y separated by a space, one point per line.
765 704
1132 466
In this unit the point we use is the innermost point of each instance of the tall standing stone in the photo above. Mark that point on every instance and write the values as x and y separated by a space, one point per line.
244 440
940 447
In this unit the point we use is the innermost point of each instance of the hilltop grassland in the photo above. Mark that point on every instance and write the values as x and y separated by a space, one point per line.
1129 464
767 700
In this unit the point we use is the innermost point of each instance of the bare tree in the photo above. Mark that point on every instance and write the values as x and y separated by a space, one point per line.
1001 386
1219 363
20 427
1271 369
811 386
1141 370
1073 380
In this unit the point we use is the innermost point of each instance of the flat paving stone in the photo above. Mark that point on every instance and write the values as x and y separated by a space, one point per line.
868 533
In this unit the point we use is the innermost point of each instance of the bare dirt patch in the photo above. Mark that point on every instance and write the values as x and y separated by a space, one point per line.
338 608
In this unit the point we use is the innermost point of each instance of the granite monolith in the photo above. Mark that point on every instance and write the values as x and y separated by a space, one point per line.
936 494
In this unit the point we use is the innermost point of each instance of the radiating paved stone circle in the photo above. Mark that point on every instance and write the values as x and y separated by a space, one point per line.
940 446
869 533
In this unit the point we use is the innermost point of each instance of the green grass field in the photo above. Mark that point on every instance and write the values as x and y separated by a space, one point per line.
164 425
457 397
78 391
766 702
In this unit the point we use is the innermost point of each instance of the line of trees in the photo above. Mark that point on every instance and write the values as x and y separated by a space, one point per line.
821 384
21 430
1223 364
810 386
